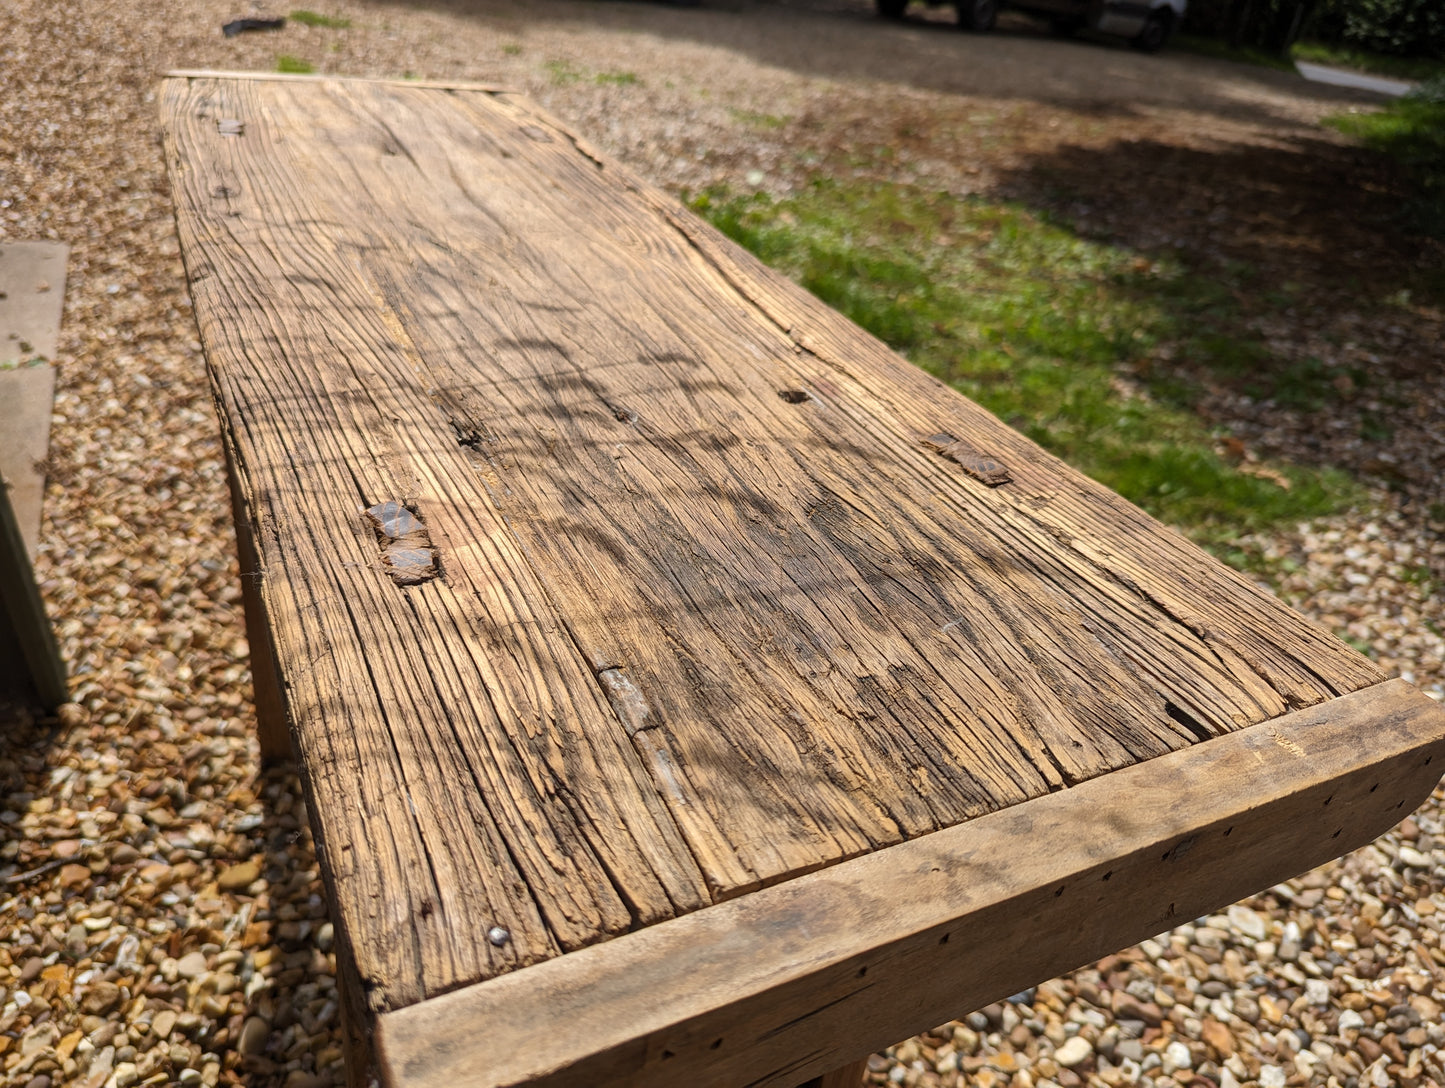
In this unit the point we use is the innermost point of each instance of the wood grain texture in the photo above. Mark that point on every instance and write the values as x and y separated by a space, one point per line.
297 77
782 984
847 1076
711 612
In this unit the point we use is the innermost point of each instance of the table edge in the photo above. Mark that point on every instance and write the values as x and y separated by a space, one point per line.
787 982
322 77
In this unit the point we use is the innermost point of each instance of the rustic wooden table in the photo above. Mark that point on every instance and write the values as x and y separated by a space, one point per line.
688 690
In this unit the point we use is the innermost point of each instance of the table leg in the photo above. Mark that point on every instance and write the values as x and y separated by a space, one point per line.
847 1076
271 730
356 1024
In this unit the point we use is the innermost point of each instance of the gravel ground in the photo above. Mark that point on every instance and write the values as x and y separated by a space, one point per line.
161 920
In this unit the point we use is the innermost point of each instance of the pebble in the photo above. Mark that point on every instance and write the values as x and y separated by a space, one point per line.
1412 857
164 1023
192 965
124 854
1216 1035
239 876
1177 1056
100 998
254 1033
1074 1052
1246 922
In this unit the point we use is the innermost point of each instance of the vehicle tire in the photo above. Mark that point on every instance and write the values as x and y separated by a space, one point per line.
1156 31
977 14
892 9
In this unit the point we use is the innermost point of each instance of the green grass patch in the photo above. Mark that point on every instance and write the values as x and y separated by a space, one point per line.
1411 130
1304 385
1221 50
1056 334
1362 60
295 65
562 72
754 119
621 79
311 18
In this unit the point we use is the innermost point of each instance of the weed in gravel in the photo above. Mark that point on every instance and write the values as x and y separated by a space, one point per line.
311 18
754 119
562 72
1058 335
295 65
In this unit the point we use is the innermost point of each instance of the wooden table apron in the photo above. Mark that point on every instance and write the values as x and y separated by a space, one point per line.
687 689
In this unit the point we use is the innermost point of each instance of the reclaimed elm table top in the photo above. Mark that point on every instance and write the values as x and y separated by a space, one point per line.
687 689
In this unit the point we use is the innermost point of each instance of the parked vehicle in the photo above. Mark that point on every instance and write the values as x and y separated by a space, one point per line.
1146 23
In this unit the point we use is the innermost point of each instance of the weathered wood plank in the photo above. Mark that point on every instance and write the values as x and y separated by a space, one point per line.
782 984
848 1076
297 77
713 610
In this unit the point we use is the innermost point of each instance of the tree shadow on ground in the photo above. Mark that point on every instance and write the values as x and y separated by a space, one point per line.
1306 245
1305 209
846 42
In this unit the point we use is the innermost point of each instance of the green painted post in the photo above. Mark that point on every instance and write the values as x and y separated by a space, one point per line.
23 613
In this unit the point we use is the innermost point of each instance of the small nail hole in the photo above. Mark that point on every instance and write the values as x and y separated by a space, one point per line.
1108 874
793 396
715 1044
943 939
862 971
